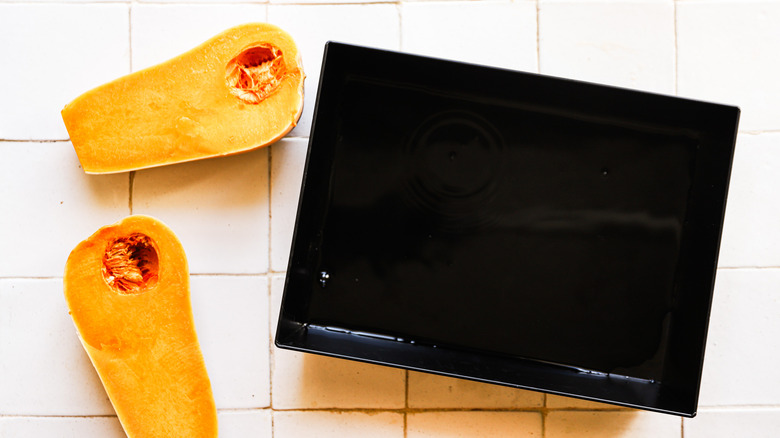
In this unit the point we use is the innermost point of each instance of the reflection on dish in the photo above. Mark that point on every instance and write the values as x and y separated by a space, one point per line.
454 164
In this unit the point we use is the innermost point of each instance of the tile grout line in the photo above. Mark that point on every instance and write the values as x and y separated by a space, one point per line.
229 274
515 409
64 2
131 175
543 409
540 410
743 408
406 403
130 185
269 288
331 3
758 132
12 140
269 163
271 358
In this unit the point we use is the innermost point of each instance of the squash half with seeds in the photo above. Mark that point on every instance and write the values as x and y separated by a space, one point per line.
127 289
238 91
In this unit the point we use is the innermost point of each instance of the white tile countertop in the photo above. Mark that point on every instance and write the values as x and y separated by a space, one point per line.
235 215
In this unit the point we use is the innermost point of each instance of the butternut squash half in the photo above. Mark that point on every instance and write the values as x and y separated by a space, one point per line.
238 91
127 288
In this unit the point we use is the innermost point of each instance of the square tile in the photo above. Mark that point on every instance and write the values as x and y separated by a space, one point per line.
61 427
725 423
161 32
323 424
751 233
217 207
55 56
627 44
460 31
726 53
311 26
243 424
231 319
466 424
288 158
51 205
740 363
309 381
432 391
634 424
44 370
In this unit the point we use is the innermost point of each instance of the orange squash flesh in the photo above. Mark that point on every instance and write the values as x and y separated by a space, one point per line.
238 91
127 288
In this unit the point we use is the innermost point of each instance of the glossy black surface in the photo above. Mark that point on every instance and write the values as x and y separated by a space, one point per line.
533 231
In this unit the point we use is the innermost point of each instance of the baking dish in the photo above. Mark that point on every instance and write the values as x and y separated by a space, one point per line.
509 227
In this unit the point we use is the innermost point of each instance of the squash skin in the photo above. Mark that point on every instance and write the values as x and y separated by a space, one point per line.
143 345
183 110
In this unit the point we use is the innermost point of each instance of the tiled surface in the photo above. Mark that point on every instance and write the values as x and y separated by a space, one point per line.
235 215
463 424
161 41
456 30
628 44
722 56
219 209
255 423
431 391
374 25
61 427
68 206
337 424
561 402
44 370
750 236
753 423
51 55
304 381
742 347
231 317
288 157
601 424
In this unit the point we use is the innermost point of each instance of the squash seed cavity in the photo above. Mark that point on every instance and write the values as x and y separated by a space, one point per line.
130 264
255 73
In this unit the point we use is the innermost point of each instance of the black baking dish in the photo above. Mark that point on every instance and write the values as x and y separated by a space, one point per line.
510 228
